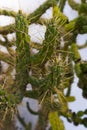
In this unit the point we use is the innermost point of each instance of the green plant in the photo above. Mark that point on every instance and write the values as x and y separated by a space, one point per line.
53 63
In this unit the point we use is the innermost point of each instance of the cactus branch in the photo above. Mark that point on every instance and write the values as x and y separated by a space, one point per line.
7 58
39 11
8 13
7 29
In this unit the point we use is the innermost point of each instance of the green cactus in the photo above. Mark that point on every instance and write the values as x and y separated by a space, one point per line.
52 67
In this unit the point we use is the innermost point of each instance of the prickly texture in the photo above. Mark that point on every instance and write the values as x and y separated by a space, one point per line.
8 13
47 50
52 68
22 52
37 14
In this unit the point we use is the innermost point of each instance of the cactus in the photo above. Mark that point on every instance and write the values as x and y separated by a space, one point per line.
52 68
